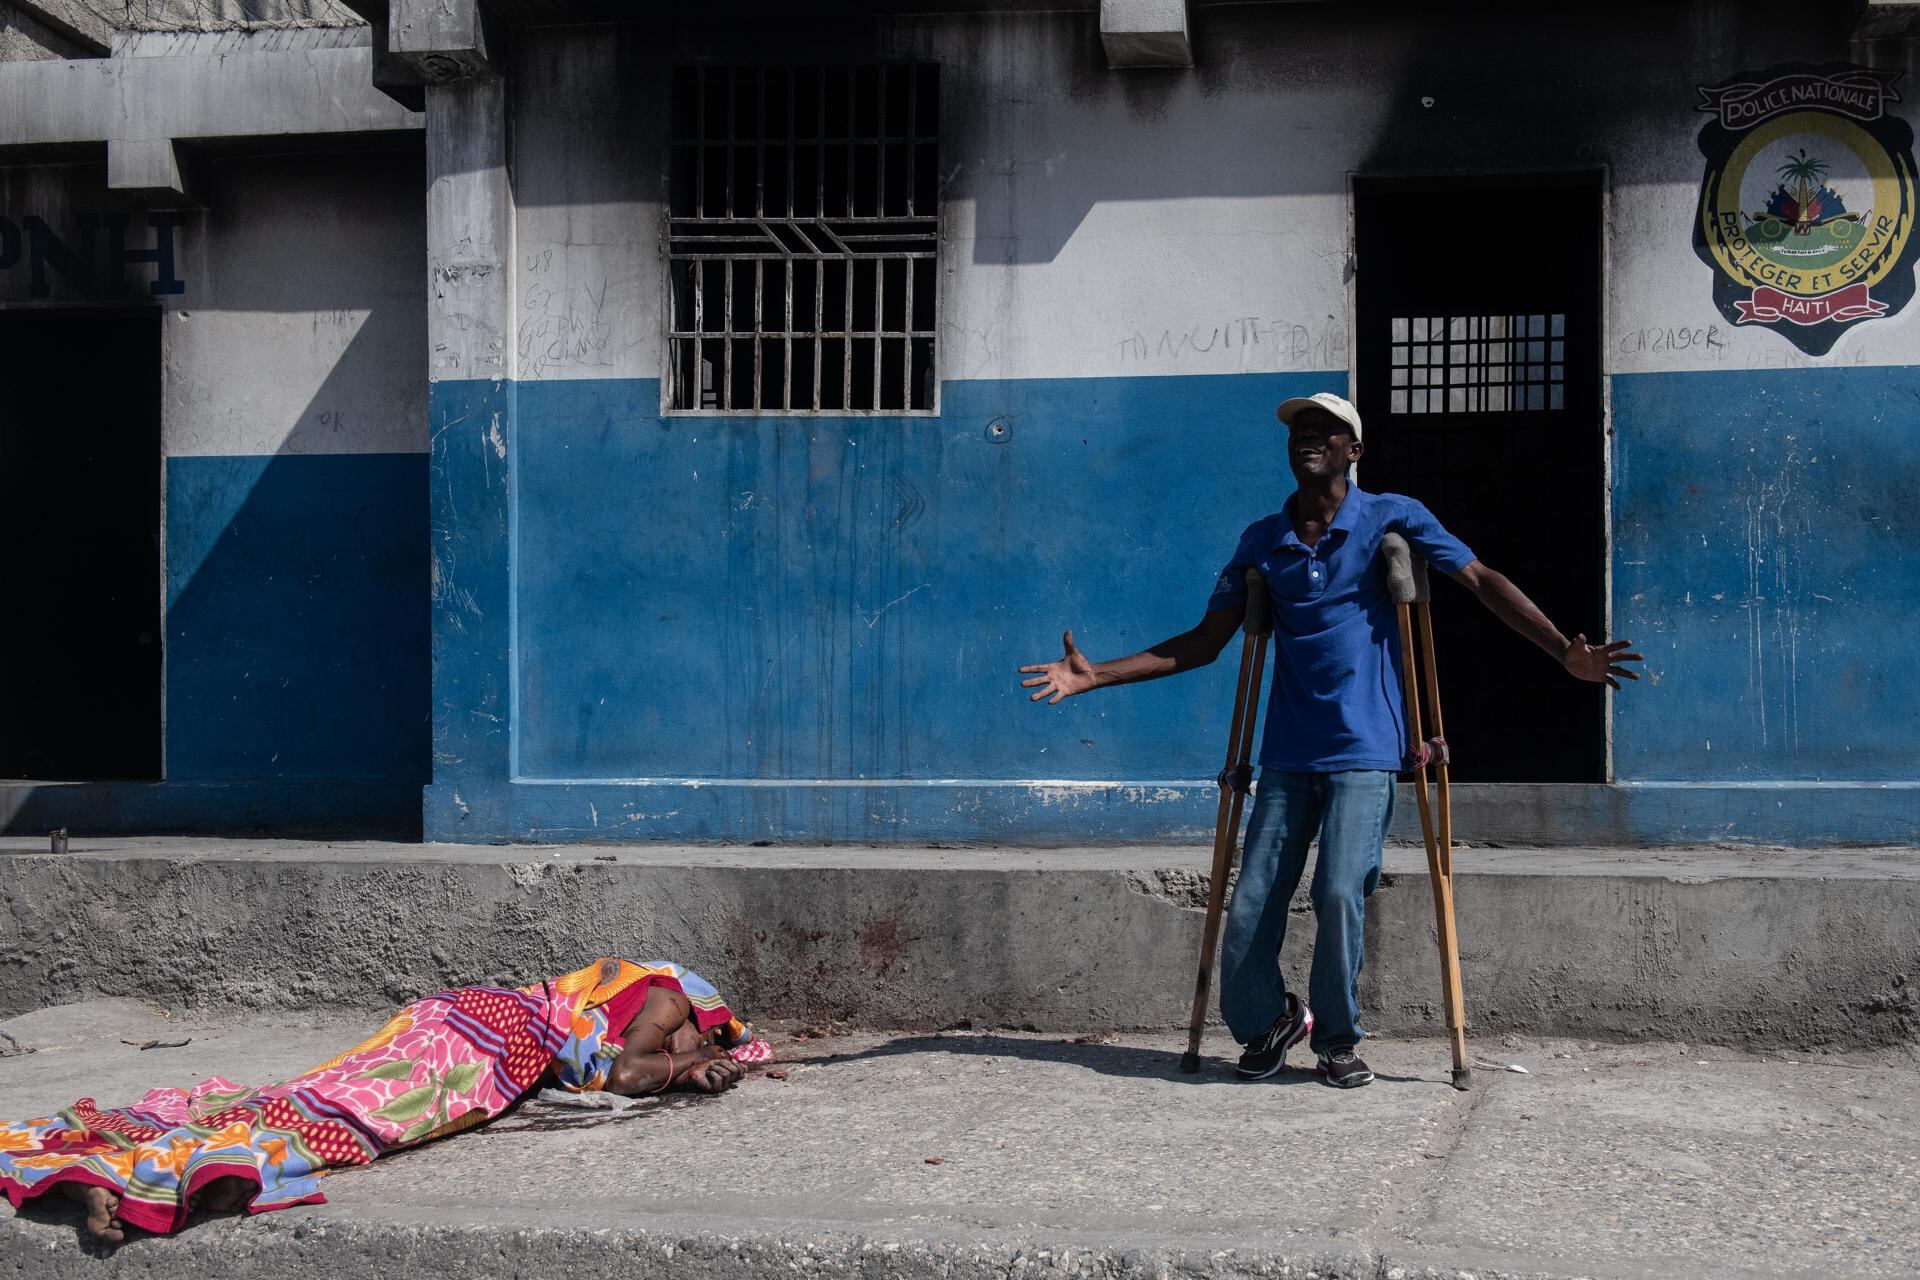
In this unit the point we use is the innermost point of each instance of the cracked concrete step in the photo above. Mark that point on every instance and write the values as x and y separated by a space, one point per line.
1757 948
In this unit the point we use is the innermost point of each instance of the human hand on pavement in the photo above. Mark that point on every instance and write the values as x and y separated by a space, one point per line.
1072 674
716 1077
1598 662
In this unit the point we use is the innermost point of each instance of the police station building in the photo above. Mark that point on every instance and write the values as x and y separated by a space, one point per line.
546 420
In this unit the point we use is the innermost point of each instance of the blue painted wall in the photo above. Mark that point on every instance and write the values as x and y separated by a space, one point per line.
753 601
703 628
1764 560
471 440
835 598
297 620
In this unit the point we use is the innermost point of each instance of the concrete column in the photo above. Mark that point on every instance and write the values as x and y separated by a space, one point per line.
1145 33
470 229
160 170
443 39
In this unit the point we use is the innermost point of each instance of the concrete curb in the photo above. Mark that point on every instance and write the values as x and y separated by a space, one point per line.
296 1246
1734 948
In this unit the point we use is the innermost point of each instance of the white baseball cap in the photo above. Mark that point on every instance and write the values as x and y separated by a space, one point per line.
1323 400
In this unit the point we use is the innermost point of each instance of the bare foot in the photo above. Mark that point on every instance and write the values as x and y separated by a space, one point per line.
223 1195
102 1206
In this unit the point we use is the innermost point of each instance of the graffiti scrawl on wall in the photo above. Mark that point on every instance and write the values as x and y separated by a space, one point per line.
1807 209
98 256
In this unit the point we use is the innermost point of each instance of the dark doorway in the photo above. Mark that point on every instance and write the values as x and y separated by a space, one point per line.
1479 383
80 545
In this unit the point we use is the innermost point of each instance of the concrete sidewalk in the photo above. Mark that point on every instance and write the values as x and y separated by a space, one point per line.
1755 948
1062 1157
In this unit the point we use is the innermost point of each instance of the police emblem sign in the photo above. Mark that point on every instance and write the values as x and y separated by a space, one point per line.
1807 208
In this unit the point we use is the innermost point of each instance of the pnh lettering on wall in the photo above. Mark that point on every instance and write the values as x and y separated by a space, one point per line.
94 256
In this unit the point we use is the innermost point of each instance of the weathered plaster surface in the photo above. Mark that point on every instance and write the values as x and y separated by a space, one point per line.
1760 949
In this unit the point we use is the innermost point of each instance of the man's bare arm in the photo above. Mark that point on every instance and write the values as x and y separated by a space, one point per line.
1596 663
1075 673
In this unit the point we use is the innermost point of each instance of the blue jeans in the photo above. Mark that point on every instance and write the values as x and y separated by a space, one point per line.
1349 811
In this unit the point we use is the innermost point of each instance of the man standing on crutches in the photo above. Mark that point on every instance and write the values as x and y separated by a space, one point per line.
1336 732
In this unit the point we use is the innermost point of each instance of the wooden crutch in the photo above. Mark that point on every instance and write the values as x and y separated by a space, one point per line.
1407 586
1234 780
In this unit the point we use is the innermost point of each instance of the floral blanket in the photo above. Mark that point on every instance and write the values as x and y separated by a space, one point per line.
440 1065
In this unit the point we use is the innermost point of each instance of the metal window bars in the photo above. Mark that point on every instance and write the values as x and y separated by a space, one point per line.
802 239
1478 364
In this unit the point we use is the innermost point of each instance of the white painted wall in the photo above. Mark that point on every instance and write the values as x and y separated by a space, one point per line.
303 325
1104 223
1072 248
588 145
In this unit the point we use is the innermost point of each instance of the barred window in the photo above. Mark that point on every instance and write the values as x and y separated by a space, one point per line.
1478 364
803 225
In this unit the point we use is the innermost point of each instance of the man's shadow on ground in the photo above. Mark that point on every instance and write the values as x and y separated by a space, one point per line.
1130 1062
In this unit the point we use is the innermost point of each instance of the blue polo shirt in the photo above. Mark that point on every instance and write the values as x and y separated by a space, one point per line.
1336 701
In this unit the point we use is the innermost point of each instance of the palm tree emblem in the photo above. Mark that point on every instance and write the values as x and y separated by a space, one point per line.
1804 202
1807 174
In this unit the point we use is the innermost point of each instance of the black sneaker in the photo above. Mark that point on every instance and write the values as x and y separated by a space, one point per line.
1343 1069
1268 1052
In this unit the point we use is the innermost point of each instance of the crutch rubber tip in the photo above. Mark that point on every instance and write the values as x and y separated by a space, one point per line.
1190 1062
1463 1078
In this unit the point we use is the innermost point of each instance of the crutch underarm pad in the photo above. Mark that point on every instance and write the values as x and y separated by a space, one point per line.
1406 572
1259 617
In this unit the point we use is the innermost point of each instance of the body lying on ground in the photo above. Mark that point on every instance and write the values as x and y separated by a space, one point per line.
441 1065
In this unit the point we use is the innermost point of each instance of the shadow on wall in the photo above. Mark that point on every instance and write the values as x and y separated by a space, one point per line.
297 642
296 585
1285 100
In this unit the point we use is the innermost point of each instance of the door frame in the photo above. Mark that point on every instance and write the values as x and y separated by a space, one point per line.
124 308
1602 174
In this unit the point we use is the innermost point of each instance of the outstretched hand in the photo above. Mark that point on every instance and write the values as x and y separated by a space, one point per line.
1070 675
1599 662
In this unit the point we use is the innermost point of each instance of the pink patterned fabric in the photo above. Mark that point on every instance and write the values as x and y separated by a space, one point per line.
442 1064
751 1052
